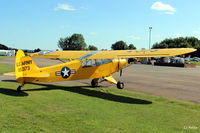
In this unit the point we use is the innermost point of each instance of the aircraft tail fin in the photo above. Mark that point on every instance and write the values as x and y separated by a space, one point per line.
24 66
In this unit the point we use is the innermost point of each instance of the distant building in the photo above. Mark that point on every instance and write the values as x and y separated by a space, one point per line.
7 52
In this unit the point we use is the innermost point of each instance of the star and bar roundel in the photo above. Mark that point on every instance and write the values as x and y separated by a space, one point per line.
65 72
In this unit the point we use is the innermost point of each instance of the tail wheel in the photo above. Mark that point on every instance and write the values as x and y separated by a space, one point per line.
120 85
94 82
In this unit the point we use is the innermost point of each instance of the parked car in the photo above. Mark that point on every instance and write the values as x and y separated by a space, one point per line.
196 59
130 60
187 59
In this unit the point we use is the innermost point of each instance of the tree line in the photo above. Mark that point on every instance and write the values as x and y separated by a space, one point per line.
180 42
3 47
77 42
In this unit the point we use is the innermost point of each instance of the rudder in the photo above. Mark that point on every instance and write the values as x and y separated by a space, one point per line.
24 65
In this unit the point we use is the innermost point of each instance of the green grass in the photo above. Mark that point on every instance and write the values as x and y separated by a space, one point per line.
61 109
3 57
4 68
194 62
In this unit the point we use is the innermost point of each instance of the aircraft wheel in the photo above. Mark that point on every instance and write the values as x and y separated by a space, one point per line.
94 83
120 85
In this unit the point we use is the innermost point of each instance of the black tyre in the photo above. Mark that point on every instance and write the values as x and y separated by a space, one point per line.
120 85
94 83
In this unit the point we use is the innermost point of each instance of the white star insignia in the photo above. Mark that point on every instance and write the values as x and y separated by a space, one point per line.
65 72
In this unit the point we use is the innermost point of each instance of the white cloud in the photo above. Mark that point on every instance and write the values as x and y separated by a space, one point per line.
134 37
196 32
93 33
168 9
64 7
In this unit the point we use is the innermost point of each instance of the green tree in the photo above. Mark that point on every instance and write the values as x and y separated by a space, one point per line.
131 46
75 42
92 47
187 42
181 42
37 50
119 45
3 47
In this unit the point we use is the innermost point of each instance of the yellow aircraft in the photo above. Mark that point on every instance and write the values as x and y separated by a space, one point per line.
93 65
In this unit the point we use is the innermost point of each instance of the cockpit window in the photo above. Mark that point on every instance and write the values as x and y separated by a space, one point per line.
45 52
97 62
87 55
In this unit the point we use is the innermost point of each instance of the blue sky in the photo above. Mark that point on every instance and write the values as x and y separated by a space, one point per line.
30 24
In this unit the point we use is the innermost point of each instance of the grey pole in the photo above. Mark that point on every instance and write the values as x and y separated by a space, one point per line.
150 28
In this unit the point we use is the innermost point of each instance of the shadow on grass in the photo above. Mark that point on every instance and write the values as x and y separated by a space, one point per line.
84 91
9 81
11 92
93 93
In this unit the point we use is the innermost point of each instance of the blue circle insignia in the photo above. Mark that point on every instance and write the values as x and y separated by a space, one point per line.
65 72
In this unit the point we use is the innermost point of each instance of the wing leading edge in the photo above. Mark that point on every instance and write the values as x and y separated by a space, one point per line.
60 54
116 53
141 53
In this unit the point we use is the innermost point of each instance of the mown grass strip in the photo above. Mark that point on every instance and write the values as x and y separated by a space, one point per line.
4 68
52 108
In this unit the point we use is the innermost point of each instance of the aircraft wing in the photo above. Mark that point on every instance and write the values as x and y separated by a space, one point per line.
141 53
60 54
115 53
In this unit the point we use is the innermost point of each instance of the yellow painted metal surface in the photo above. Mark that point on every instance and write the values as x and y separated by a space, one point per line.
141 53
110 79
27 72
61 54
9 74
117 53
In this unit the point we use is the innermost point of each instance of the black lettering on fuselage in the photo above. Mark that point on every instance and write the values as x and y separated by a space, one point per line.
24 63
24 66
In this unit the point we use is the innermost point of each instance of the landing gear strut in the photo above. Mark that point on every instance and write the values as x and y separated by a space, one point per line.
19 88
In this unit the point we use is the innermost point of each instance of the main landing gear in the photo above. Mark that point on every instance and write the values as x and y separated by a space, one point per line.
120 85
109 79
19 88
94 82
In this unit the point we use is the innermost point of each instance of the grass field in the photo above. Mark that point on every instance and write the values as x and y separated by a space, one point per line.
3 57
194 62
60 109
4 68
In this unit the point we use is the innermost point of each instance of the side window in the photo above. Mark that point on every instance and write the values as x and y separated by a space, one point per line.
105 61
91 63
88 63
84 63
97 62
